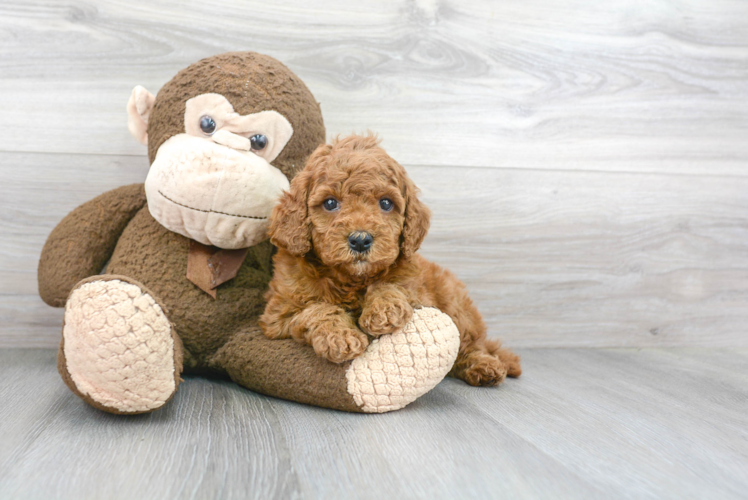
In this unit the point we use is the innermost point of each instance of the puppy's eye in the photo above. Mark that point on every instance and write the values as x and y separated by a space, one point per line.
331 204
258 142
207 124
386 204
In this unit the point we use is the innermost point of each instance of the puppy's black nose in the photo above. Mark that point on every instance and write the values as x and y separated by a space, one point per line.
360 241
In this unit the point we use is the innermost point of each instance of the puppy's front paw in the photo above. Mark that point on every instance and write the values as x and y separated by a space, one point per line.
384 315
339 345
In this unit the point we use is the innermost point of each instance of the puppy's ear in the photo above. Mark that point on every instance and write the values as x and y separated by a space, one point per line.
289 224
417 220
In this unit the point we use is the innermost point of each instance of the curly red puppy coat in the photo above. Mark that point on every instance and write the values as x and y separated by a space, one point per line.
347 235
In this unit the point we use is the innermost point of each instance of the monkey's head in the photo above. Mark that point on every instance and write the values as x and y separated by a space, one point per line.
224 138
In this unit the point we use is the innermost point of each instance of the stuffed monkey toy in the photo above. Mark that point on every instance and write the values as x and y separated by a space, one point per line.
187 261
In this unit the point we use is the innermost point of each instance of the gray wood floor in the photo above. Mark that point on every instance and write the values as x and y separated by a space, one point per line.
581 423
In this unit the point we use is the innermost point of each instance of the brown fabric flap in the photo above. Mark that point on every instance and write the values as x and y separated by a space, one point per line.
209 267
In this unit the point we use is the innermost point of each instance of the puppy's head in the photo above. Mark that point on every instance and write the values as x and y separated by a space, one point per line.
353 206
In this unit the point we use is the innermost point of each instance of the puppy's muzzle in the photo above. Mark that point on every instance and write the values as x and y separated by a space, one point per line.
360 241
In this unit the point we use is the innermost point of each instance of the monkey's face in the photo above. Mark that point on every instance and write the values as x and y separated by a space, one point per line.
214 183
224 137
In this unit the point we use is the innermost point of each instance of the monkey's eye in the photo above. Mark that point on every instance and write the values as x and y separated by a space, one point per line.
386 204
207 124
258 142
331 204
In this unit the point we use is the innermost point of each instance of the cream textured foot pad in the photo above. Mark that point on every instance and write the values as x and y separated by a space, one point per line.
397 369
118 346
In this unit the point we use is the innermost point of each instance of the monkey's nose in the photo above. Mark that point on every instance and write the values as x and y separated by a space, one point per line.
232 140
360 241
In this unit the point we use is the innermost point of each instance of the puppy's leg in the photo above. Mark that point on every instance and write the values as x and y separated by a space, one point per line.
485 363
328 328
386 309
276 317
510 360
480 361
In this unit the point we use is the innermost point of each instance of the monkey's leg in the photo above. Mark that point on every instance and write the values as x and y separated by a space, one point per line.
394 371
119 352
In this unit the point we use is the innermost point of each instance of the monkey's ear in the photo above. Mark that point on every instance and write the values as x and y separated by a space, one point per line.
289 225
417 220
138 110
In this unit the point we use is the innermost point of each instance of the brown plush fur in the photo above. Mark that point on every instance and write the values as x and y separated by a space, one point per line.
325 295
252 83
221 335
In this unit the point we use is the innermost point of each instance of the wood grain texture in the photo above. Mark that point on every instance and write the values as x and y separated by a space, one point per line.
624 85
623 423
552 258
612 207
36 192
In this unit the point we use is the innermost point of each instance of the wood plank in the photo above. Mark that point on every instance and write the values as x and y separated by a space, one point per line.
580 423
220 441
37 191
593 259
615 86
551 258
26 321
644 423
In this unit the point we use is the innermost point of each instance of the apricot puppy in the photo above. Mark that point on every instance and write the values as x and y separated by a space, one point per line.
347 233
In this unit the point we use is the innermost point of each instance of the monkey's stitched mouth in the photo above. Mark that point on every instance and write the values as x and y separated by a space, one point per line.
210 211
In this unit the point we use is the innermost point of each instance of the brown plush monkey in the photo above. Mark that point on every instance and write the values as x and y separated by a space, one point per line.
188 259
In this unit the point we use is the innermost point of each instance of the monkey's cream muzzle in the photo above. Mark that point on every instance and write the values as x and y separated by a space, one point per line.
212 193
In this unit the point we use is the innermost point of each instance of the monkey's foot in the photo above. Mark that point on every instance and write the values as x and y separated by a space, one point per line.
399 368
118 350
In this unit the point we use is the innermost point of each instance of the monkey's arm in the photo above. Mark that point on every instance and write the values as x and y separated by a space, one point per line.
84 240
